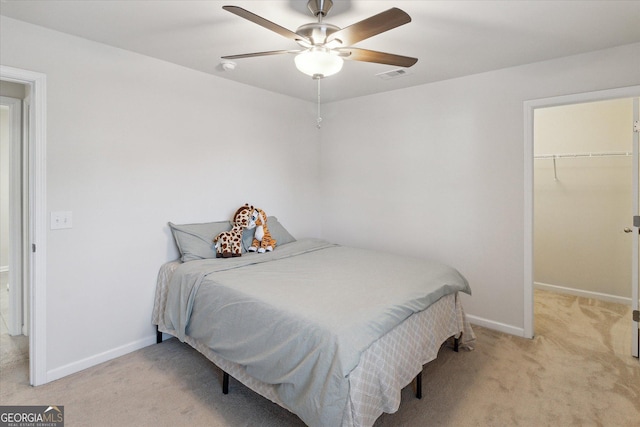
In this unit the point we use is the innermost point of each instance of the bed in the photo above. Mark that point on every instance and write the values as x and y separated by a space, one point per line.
331 333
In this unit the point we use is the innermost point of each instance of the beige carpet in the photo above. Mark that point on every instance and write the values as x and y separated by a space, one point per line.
576 372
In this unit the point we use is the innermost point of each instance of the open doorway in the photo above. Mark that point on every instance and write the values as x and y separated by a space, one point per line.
530 107
583 199
34 198
14 309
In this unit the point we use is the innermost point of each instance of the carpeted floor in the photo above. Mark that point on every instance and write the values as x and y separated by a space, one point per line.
576 372
12 349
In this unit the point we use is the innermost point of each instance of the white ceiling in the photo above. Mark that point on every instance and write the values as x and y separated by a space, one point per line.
450 38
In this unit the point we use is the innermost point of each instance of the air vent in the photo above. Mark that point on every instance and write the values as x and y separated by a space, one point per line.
393 74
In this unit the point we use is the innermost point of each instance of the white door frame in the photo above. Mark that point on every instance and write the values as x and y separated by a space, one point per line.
635 337
37 218
529 108
15 319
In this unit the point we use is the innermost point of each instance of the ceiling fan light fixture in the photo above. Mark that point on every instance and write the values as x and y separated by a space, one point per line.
318 63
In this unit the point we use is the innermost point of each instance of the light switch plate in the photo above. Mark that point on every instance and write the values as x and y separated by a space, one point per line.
61 220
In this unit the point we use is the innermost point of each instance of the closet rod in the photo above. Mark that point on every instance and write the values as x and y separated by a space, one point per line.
554 157
576 155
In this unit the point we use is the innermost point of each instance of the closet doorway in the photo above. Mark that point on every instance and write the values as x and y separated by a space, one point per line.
583 204
583 199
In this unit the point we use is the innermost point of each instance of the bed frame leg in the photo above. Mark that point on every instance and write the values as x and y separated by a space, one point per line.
158 336
456 347
419 385
225 383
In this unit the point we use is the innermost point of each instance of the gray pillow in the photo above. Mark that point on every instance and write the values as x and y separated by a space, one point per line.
247 238
276 229
278 232
195 241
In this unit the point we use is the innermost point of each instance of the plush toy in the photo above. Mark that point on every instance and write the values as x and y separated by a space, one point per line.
262 240
229 243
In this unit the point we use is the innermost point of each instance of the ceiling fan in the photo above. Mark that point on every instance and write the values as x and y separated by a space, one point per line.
324 46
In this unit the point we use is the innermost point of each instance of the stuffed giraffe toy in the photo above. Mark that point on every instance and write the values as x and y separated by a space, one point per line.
262 240
229 243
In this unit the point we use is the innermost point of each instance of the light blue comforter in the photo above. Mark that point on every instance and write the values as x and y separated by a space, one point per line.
300 316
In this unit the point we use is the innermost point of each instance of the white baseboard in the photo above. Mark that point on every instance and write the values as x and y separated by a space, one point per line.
582 293
497 326
83 364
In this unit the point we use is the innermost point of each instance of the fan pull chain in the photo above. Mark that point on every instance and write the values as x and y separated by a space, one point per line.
319 119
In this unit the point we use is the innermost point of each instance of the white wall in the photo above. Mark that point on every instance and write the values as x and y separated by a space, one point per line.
579 242
438 171
132 143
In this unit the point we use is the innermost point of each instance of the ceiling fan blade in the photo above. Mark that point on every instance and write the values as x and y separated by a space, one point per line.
243 13
366 55
251 55
371 26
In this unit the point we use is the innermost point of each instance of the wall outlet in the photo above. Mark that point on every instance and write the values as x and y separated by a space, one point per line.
61 220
